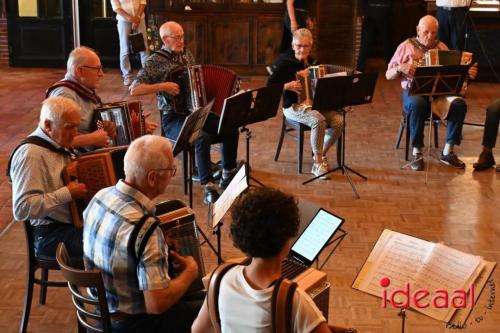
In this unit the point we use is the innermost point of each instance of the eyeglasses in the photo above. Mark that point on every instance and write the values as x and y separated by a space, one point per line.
303 46
172 168
98 68
176 37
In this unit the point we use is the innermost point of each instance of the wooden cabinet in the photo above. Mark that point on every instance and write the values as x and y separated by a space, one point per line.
242 35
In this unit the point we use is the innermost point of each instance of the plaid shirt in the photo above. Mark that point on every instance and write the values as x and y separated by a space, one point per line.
109 221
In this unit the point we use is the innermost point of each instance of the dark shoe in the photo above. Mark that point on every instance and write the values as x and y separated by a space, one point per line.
485 161
417 163
216 172
211 195
224 182
452 160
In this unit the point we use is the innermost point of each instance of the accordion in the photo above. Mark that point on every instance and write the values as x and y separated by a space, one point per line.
179 227
436 57
127 117
201 83
97 170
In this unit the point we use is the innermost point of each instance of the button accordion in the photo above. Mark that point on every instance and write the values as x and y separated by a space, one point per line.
201 83
128 118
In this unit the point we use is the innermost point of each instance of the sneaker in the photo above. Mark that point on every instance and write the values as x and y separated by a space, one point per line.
452 160
216 172
417 163
226 178
211 195
269 69
319 169
127 81
485 161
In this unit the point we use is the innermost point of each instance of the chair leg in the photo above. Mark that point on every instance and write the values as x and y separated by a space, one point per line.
43 287
280 142
185 170
402 125
436 134
300 147
28 296
339 151
407 140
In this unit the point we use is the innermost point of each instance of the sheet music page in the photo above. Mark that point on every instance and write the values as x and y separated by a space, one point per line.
447 269
222 205
398 259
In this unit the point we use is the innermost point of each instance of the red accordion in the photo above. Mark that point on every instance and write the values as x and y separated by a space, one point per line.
202 83
128 118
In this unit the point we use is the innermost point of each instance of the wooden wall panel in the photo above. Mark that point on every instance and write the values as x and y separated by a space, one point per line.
230 41
268 38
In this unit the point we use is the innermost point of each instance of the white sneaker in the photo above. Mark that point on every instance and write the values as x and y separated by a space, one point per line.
127 81
318 169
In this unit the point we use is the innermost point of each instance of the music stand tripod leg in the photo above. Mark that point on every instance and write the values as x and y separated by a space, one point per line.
248 136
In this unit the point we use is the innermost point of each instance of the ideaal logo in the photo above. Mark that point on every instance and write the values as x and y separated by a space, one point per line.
440 298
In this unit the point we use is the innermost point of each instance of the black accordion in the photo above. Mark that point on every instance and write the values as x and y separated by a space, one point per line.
128 118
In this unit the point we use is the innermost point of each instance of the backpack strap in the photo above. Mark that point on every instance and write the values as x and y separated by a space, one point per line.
35 140
213 294
282 302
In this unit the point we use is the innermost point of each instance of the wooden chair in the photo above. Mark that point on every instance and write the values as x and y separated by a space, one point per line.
34 263
92 313
404 126
288 126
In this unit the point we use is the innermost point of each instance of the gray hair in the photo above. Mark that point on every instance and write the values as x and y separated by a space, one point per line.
54 108
302 32
78 56
146 153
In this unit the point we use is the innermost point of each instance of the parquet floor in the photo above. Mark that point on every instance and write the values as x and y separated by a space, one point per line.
459 208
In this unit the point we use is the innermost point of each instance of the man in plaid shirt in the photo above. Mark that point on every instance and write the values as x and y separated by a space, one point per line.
137 283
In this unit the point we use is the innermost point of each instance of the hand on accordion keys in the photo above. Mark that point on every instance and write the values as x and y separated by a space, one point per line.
76 189
182 264
150 127
294 86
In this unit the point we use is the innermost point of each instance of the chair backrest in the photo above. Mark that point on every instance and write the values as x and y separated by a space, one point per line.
92 313
220 83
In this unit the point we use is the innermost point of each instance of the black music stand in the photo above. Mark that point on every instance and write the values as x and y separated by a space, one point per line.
190 130
249 107
337 93
433 81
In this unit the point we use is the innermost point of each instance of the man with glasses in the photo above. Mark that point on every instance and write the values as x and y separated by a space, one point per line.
83 76
154 78
326 127
129 17
121 239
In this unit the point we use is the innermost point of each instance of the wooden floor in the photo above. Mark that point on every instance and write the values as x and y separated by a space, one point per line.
459 208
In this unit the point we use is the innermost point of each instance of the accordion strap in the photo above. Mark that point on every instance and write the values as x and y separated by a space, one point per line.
78 88
36 140
281 302
140 235
164 54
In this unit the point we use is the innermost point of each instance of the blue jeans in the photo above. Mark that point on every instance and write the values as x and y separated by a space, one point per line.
47 237
450 22
419 109
491 124
172 123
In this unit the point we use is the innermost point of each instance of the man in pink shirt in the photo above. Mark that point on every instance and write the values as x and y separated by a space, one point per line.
408 55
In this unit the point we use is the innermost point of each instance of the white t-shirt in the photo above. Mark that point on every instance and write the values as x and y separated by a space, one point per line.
453 3
246 310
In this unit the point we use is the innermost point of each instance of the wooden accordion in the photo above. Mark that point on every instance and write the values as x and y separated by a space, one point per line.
200 84
436 57
128 118
97 170
179 227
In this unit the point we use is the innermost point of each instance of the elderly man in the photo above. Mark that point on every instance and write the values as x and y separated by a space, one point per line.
322 139
486 159
403 65
154 78
451 17
121 239
130 17
83 76
38 191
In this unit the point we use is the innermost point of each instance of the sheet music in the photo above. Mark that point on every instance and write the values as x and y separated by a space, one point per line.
222 205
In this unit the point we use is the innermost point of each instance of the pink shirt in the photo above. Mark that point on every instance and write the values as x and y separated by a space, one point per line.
408 53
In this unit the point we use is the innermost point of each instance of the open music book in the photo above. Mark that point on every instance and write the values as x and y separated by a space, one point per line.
411 264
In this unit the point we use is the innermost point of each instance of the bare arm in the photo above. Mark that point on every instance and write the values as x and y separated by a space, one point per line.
160 300
146 88
290 7
97 138
202 323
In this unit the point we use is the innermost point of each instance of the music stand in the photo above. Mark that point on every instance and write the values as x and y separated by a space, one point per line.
190 130
249 107
335 93
433 81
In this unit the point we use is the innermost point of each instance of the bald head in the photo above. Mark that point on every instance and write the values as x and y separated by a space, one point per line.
172 35
80 56
427 30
